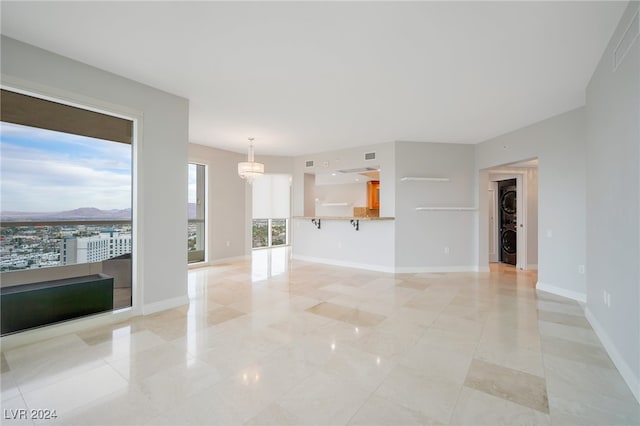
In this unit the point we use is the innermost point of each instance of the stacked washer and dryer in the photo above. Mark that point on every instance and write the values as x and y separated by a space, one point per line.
508 221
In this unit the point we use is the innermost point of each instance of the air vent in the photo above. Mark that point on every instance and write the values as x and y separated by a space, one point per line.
308 163
358 170
369 155
627 40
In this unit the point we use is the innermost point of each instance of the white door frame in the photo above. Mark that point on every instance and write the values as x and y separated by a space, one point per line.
493 226
521 206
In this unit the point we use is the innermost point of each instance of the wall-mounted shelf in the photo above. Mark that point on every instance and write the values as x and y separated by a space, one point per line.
424 179
335 204
445 208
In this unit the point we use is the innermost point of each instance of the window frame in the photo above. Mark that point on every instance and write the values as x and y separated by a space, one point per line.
76 100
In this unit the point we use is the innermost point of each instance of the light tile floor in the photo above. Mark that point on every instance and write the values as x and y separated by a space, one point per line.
274 342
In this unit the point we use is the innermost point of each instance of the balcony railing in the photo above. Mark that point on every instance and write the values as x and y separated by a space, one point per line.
44 252
196 241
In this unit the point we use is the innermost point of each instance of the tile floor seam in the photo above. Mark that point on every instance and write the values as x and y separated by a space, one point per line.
455 406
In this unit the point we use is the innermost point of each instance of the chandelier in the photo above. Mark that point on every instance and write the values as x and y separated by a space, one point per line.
249 170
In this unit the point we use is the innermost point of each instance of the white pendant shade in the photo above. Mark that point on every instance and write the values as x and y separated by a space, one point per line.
249 170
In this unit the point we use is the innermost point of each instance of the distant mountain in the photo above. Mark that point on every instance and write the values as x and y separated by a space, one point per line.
83 213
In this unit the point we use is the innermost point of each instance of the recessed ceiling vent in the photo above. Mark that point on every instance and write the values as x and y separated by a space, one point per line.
358 170
308 163
369 155
627 40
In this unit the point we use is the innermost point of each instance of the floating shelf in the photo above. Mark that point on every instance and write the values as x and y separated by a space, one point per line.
335 204
425 179
445 208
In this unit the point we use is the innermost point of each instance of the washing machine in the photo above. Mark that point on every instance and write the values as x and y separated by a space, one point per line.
508 221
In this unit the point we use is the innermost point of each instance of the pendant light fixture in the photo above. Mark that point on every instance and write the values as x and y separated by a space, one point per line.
249 170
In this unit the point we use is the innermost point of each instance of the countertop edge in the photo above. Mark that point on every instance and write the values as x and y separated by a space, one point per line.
343 218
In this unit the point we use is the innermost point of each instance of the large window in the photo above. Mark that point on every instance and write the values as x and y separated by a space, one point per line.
269 232
66 189
196 242
271 207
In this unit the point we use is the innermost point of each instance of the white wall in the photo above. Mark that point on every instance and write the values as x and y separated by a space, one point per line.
349 158
338 243
531 180
161 191
353 194
230 199
422 236
559 145
225 202
613 204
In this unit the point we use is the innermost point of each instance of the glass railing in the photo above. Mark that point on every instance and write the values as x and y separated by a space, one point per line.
57 270
196 240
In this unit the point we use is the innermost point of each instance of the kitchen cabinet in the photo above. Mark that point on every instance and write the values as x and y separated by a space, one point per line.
373 194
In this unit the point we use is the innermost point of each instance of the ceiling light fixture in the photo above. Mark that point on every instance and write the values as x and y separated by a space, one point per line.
249 170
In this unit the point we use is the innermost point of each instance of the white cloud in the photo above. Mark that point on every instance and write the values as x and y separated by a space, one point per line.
50 171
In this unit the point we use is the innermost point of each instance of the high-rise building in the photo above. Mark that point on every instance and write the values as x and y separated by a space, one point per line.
110 243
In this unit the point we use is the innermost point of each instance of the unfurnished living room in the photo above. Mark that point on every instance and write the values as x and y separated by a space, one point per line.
328 213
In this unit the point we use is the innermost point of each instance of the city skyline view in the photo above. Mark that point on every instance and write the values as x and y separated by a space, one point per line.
48 171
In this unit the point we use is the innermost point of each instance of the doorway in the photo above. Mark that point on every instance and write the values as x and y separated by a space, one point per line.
513 214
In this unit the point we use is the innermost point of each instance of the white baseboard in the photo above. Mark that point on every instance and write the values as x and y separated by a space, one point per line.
392 269
532 266
559 291
438 269
163 305
625 371
378 268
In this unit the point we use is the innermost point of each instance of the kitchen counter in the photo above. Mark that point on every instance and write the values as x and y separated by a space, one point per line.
344 217
351 241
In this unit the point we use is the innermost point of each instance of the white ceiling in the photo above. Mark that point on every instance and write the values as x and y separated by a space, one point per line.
305 77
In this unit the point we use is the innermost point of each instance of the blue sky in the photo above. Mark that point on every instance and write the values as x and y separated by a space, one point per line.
46 171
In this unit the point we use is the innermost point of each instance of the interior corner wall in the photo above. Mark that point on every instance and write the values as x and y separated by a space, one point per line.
613 202
436 240
226 203
559 144
161 189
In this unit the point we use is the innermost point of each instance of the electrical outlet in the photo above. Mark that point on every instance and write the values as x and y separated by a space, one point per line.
339 244
608 300
228 243
604 296
581 269
549 233
446 250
